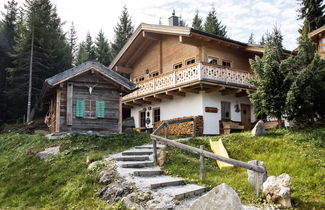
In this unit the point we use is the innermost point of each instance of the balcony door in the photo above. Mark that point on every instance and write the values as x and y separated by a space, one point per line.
246 116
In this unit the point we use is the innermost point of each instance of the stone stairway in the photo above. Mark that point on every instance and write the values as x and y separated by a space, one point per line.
136 165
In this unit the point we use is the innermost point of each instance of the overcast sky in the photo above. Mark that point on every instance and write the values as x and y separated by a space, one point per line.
240 16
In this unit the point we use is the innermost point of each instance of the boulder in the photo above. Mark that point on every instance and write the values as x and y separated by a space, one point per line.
49 152
277 190
162 159
221 197
116 190
259 129
96 165
261 177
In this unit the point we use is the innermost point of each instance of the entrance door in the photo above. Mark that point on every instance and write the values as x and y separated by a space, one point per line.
246 116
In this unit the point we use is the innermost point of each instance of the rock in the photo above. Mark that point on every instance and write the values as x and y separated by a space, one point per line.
107 176
49 152
162 158
259 129
131 205
221 197
116 190
277 190
261 176
96 165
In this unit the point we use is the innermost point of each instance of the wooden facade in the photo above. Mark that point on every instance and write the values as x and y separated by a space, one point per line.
87 100
318 36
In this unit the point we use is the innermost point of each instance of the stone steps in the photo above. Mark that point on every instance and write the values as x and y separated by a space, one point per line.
137 165
148 173
130 153
190 193
167 183
182 192
132 158
148 147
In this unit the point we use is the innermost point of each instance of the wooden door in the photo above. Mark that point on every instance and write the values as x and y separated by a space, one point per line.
246 116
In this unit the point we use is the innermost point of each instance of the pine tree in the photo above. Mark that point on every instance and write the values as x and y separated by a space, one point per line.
213 25
90 48
82 54
272 81
102 49
123 31
197 22
251 39
305 100
8 34
312 13
72 38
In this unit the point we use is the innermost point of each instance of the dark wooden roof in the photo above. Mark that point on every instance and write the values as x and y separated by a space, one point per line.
84 67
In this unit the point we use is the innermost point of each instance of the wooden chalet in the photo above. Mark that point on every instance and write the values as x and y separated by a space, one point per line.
318 36
86 98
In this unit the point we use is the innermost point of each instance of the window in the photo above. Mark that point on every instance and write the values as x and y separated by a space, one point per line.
139 79
156 114
190 61
323 40
225 110
142 119
154 74
100 109
213 60
178 66
226 64
80 108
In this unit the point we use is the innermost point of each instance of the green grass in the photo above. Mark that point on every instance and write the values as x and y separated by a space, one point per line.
62 182
299 153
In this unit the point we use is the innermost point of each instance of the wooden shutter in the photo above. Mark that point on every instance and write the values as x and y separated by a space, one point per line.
80 108
100 109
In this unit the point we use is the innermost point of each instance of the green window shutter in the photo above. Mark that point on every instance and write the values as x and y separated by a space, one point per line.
100 109
80 108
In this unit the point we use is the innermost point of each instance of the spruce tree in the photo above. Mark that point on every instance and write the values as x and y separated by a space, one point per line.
213 25
82 54
312 13
262 41
72 38
102 49
251 39
197 22
123 31
271 79
90 48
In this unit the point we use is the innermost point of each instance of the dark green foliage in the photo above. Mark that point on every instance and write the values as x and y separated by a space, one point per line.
262 41
305 99
62 182
72 38
123 31
90 48
197 22
213 25
82 55
251 39
312 13
272 80
299 153
102 49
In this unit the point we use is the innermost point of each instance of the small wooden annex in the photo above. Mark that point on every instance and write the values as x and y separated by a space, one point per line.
86 98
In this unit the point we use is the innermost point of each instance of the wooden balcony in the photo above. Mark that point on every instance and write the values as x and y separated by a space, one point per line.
201 76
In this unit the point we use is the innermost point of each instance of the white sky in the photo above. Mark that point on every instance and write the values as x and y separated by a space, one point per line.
241 17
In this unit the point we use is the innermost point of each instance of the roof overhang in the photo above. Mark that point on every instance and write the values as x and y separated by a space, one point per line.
313 34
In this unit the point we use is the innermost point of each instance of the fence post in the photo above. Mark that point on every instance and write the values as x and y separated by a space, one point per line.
154 146
166 130
201 164
194 126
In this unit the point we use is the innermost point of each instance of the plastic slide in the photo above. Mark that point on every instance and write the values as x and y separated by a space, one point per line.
218 149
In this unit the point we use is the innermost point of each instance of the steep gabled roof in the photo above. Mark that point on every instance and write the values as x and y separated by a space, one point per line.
84 67
183 31
314 33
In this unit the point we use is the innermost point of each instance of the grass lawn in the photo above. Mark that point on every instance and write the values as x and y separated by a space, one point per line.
62 182
299 153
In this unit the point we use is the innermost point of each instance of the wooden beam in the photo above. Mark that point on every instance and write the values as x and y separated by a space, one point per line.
131 103
241 94
163 96
151 36
188 90
218 88
141 101
69 103
189 41
127 106
57 110
123 69
152 99
120 114
176 93
230 91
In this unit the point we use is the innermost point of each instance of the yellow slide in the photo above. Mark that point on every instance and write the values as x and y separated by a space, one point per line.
218 149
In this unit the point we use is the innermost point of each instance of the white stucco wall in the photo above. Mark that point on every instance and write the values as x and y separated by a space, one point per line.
192 105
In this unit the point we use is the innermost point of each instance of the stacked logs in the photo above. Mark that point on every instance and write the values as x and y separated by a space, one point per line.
182 128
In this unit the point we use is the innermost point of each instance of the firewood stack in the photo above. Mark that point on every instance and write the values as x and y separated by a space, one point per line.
183 128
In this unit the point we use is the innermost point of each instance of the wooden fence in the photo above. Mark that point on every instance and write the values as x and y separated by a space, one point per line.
203 154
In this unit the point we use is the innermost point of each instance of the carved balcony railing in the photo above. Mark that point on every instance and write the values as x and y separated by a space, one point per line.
196 72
